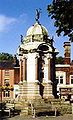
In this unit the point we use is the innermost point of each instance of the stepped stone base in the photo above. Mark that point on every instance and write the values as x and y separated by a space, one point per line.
47 91
24 111
31 91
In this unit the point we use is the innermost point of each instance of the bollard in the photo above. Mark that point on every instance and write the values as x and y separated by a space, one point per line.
55 112
72 108
34 113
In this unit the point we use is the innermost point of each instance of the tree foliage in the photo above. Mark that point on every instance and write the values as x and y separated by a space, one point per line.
59 60
6 56
62 12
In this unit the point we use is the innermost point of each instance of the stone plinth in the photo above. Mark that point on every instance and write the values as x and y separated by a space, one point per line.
29 91
47 90
33 91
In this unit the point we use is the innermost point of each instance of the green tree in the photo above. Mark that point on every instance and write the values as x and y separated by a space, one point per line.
62 12
6 56
59 60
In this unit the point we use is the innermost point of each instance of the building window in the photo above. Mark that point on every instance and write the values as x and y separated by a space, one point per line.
6 94
59 79
6 82
71 79
6 72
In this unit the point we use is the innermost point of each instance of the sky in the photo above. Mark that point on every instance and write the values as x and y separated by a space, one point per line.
16 16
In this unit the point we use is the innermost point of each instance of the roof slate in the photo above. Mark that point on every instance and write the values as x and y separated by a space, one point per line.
7 64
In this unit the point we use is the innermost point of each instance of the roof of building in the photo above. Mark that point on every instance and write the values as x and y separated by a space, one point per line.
8 64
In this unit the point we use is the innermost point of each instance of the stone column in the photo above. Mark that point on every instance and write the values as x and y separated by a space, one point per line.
45 79
48 93
20 70
24 68
36 68
33 84
49 69
36 84
24 86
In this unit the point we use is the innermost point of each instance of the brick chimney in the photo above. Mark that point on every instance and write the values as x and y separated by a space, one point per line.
67 52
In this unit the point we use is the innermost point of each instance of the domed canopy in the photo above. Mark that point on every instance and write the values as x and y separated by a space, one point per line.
36 40
37 29
36 33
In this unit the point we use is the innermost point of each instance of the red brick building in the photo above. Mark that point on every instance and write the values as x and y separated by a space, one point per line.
64 74
9 76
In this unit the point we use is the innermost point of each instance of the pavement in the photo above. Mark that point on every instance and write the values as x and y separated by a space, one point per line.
22 117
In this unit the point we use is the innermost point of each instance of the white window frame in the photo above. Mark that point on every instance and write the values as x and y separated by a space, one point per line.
6 72
59 74
59 79
71 76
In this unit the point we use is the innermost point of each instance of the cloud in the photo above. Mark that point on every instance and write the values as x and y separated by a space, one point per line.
5 22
